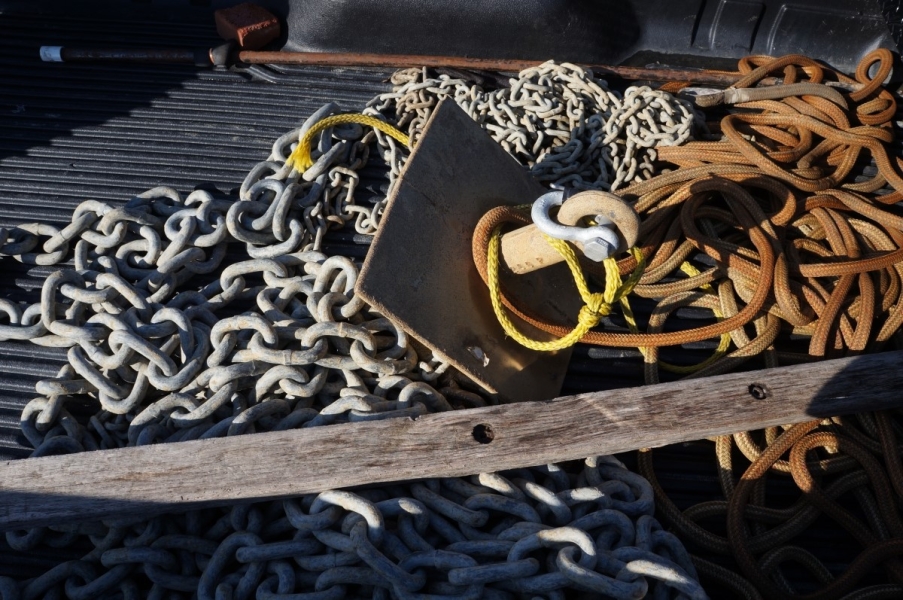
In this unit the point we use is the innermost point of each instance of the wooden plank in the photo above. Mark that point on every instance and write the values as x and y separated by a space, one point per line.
154 479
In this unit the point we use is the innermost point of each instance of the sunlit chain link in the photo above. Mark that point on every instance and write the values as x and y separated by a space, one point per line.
173 342
558 119
546 532
274 339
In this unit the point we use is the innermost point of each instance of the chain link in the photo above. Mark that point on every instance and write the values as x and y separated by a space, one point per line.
166 360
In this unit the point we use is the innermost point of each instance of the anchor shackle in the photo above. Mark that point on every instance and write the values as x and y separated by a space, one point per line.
525 250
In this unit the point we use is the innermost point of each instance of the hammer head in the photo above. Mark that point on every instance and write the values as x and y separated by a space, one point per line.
251 26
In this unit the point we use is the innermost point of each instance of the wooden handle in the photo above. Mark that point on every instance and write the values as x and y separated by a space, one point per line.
525 250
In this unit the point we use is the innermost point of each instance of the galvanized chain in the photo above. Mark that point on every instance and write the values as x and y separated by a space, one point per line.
567 126
274 340
196 317
544 532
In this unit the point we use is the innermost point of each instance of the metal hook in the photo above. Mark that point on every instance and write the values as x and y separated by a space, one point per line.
599 241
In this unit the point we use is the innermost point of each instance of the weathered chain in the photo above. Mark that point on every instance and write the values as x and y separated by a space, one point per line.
558 119
529 533
173 363
273 342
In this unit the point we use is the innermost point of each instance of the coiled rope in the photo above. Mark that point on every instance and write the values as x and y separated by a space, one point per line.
597 305
847 470
792 227
799 237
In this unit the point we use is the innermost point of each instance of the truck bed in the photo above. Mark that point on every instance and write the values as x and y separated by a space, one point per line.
74 132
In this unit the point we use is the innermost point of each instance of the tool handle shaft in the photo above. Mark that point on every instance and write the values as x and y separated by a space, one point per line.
398 61
222 55
131 55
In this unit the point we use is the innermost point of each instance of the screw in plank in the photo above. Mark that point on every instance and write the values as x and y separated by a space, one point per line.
758 391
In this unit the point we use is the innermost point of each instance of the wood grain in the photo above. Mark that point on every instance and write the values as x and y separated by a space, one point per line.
154 479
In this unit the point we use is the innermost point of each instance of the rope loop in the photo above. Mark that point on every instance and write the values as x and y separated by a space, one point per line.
596 305
300 157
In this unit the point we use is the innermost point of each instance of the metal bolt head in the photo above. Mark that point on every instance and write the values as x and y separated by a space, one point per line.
598 250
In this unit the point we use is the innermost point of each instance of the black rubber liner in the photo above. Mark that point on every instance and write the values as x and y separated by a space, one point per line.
74 132
601 31
674 32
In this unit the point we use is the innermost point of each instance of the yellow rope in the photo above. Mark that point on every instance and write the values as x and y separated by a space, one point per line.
723 346
597 305
300 156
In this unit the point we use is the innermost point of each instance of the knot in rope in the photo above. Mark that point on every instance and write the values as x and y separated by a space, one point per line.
596 305
595 310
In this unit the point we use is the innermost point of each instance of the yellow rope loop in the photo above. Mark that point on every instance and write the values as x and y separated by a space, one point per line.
597 305
300 157
634 279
